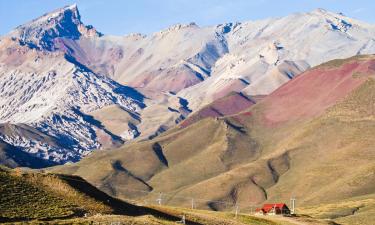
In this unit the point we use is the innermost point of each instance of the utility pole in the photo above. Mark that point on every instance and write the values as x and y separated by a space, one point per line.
192 203
293 203
183 219
236 212
158 200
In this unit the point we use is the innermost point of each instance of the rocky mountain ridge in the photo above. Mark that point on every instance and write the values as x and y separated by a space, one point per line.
71 82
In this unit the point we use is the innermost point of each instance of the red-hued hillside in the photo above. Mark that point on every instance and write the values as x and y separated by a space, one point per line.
299 141
228 105
314 91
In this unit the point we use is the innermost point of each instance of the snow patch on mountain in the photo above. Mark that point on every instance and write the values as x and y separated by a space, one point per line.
40 148
57 102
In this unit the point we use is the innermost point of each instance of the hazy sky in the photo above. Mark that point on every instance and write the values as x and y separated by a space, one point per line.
146 16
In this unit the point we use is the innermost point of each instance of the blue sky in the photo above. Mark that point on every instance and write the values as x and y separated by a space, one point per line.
146 16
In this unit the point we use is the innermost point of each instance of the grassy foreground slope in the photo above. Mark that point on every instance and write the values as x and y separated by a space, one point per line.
29 196
191 217
35 198
21 200
312 139
353 211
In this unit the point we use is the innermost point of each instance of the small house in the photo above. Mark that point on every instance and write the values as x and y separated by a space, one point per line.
273 209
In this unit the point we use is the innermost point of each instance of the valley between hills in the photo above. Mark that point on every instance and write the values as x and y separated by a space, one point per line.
195 125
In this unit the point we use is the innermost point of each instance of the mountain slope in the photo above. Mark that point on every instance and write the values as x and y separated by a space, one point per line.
256 56
268 153
34 196
11 156
227 105
54 95
270 52
30 197
70 82
41 32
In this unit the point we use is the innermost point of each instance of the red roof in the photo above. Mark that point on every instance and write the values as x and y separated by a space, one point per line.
268 207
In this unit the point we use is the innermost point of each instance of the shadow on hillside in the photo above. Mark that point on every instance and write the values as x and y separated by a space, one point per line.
119 207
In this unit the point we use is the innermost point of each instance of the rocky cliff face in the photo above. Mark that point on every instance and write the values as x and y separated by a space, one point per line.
54 94
62 23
